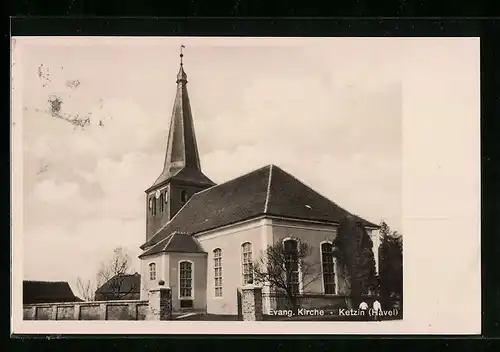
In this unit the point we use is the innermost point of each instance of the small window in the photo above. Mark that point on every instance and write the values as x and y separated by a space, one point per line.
246 263
218 272
150 203
162 204
152 271
184 196
153 211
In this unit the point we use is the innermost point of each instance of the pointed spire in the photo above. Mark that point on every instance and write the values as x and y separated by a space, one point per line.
182 149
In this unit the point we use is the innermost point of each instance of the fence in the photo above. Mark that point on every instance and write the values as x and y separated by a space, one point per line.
278 301
105 310
158 307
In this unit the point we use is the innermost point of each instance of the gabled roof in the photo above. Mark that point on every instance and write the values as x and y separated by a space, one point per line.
47 292
126 283
265 191
176 242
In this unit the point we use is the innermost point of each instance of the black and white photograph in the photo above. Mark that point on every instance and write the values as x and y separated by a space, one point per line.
251 180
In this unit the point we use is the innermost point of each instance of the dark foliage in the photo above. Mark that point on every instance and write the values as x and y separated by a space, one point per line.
355 257
391 263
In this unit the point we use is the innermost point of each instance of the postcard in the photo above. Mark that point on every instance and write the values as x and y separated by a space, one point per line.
185 185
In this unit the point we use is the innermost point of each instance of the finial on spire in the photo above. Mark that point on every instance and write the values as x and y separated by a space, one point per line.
181 76
182 54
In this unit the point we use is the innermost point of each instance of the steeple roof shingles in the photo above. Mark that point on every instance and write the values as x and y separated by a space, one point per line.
182 158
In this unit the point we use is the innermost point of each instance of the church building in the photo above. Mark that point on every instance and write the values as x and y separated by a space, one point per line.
202 237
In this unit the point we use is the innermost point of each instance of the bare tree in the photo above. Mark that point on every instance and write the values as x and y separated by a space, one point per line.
86 289
111 282
285 269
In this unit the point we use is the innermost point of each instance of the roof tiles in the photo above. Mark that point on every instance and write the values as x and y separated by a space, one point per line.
266 191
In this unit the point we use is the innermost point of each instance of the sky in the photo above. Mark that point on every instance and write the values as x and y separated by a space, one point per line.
329 111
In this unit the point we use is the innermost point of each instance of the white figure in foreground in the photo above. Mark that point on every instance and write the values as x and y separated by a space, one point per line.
363 306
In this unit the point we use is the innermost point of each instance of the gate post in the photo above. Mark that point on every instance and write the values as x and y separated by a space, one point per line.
251 303
160 304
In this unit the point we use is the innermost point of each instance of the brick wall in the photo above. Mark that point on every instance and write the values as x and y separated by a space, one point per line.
106 310
158 307
309 301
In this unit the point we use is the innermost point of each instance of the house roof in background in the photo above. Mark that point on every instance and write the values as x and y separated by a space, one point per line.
47 292
266 191
127 283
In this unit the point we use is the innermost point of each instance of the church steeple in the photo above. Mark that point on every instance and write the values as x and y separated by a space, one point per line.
182 149
181 169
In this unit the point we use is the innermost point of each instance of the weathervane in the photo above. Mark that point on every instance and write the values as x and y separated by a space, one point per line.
182 55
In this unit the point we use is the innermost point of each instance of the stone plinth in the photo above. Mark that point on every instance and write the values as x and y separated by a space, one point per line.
160 304
251 302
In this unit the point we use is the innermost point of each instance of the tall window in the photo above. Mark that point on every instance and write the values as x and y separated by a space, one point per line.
291 254
185 279
246 262
218 272
162 204
328 264
153 210
152 271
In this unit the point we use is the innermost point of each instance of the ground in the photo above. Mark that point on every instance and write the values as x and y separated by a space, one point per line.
326 317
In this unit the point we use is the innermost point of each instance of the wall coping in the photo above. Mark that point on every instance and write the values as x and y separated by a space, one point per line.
160 288
86 303
251 287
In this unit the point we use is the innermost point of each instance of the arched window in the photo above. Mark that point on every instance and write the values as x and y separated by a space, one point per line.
291 256
328 266
150 204
152 271
246 263
162 204
153 210
218 272
185 280
184 196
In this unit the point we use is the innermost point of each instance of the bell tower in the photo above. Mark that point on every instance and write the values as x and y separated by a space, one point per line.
181 176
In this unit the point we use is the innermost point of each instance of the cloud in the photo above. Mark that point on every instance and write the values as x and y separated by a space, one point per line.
51 193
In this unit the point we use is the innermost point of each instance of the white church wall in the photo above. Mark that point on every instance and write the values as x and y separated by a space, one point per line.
313 234
229 240
161 270
199 279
